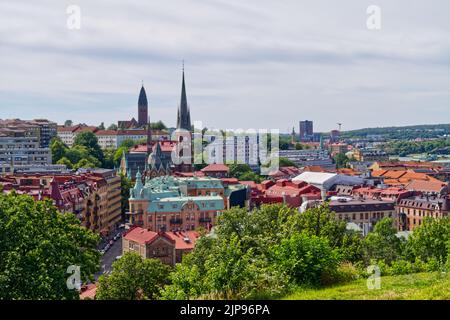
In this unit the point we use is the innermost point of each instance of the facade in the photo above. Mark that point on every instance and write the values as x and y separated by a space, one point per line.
43 129
309 157
170 203
370 155
338 148
234 148
363 212
93 196
21 148
68 134
412 211
168 247
306 130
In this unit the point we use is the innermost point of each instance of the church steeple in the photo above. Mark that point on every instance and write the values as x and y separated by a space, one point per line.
184 117
142 107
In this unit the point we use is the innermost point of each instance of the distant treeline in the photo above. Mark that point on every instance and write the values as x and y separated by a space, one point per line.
402 133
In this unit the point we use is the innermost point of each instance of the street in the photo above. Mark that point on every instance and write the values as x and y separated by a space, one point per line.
109 257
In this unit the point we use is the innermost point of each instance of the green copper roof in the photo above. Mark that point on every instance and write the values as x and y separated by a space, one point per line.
175 204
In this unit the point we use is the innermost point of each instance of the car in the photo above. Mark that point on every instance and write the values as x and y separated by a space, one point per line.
111 242
102 252
107 247
118 257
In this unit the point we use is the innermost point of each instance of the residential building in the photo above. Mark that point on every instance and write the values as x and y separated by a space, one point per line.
168 247
363 212
21 148
369 155
412 211
171 203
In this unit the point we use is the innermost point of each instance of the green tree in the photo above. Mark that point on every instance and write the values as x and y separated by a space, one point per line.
68 123
431 240
88 140
133 278
305 258
37 245
113 126
158 125
125 186
58 149
101 126
65 162
382 244
341 160
284 162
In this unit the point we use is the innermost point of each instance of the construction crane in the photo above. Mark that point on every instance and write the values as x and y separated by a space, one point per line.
340 125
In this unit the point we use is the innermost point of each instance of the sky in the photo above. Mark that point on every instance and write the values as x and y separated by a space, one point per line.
256 64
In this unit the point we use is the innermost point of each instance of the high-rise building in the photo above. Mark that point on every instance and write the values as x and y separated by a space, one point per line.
306 130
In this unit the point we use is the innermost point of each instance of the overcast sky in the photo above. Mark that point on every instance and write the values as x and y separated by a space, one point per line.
249 63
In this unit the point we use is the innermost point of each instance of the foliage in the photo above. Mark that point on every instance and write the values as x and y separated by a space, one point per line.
382 243
304 258
113 126
89 140
243 172
133 278
431 240
68 123
37 245
341 160
125 186
158 125
284 162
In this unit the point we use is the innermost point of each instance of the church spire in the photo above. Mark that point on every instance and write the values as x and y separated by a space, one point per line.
184 117
142 107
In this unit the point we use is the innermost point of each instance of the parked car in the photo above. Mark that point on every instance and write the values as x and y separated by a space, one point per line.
118 257
111 242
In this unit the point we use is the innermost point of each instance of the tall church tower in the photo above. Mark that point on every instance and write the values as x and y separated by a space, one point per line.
142 108
184 115
183 132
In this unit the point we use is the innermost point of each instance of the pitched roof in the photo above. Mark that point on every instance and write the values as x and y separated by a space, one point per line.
215 167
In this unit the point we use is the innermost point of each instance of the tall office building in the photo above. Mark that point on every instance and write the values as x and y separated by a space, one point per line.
306 130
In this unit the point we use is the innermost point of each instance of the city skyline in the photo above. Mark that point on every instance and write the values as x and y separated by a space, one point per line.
240 60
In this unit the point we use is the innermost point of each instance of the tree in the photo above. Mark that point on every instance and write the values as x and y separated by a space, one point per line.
38 245
321 222
431 240
113 126
382 243
305 258
133 278
88 140
65 162
68 123
58 149
125 186
285 162
101 126
158 125
341 160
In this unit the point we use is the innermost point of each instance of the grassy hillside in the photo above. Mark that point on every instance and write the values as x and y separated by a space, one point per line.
420 286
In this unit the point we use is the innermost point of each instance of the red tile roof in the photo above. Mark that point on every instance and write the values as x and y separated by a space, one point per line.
179 238
215 167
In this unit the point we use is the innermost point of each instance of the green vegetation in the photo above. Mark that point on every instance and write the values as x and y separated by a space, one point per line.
133 278
244 173
284 162
419 286
85 152
401 133
38 245
341 160
404 148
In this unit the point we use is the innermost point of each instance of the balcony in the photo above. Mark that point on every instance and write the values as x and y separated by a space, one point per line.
204 220
176 221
